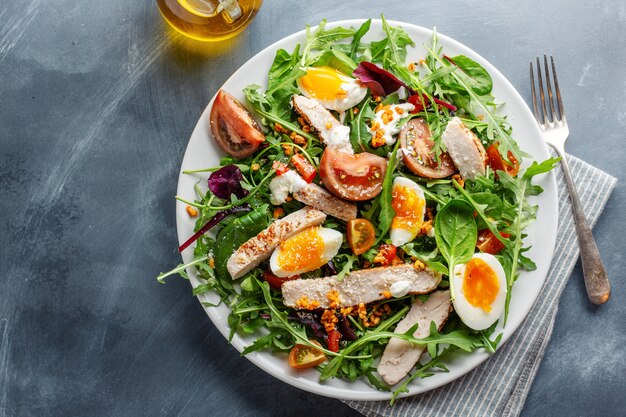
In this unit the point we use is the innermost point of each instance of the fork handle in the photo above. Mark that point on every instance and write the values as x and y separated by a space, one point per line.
596 279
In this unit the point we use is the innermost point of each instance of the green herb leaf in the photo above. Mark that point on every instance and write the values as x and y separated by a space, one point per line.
456 234
358 35
387 212
234 235
474 75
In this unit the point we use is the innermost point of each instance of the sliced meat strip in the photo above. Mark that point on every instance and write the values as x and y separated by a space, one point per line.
401 356
465 149
315 196
324 122
364 286
260 247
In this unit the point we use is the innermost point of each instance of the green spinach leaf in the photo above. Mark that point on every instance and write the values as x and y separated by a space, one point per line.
474 75
456 234
234 235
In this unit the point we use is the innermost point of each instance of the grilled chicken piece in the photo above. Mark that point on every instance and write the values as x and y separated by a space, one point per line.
401 356
260 247
315 196
357 287
329 129
465 149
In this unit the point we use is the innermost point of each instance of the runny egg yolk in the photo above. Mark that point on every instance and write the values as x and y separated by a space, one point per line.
304 250
480 284
409 207
323 83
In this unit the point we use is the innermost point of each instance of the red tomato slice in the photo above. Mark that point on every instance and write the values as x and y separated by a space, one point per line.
333 340
488 243
417 145
304 167
361 235
233 127
277 282
303 356
352 177
498 163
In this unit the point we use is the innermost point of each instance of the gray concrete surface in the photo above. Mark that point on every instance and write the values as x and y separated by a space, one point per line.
97 102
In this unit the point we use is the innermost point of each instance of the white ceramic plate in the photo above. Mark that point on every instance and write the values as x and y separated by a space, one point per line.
202 152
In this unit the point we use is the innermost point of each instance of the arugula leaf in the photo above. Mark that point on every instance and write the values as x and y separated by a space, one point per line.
462 339
397 42
358 35
262 106
322 39
282 83
423 371
385 217
180 269
540 168
521 187
456 234
346 266
360 137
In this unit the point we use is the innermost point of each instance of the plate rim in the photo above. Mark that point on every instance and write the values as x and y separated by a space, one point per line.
478 356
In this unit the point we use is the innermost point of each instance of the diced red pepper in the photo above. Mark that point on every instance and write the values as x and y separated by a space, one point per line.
280 167
304 167
333 340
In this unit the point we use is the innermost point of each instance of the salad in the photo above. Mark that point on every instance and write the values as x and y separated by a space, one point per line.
368 216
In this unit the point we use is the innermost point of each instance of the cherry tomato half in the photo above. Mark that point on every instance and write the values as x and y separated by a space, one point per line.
352 177
417 154
303 356
233 127
488 243
304 167
277 282
498 163
361 235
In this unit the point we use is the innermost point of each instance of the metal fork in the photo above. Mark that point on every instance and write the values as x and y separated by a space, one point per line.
555 133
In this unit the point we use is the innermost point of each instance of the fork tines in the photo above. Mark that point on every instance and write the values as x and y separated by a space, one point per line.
543 116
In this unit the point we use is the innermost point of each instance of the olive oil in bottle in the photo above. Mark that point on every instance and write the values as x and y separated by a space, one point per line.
209 20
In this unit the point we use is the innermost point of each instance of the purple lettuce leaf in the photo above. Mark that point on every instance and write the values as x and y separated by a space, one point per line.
310 320
380 81
226 181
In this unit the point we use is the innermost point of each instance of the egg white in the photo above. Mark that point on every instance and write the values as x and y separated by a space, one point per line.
332 242
355 93
475 317
398 235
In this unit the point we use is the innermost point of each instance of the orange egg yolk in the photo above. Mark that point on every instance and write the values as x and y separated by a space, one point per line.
323 83
409 207
481 285
302 251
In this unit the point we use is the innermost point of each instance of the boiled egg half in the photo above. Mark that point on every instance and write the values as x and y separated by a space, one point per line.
305 251
333 89
407 200
479 291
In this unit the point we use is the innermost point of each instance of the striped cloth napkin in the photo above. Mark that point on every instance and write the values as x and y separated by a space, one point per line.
515 365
